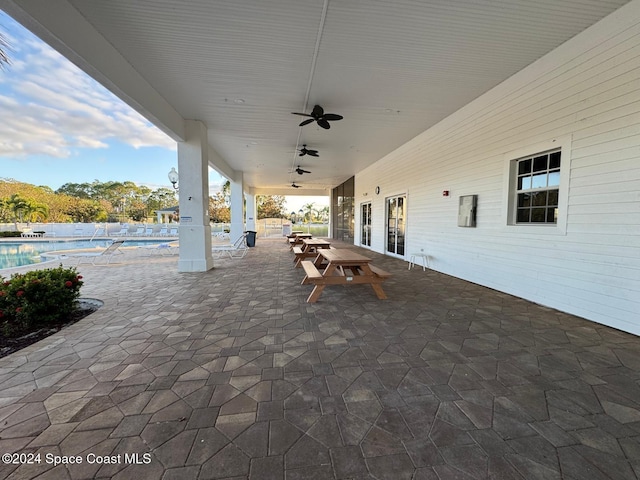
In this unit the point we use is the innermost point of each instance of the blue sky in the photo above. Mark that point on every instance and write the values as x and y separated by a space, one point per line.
58 125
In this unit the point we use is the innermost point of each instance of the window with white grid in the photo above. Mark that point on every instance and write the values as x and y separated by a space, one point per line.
537 188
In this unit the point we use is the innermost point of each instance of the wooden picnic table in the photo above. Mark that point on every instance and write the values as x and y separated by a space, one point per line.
293 234
297 239
309 249
344 267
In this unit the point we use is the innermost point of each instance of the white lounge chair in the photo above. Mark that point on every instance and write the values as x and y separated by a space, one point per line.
173 232
107 253
164 232
166 248
221 235
148 231
123 231
139 232
236 250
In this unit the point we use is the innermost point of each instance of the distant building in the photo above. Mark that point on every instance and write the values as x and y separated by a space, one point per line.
167 215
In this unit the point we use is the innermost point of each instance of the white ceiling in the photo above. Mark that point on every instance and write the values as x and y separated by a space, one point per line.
392 68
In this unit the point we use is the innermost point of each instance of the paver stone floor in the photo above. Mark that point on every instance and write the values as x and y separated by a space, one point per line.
231 374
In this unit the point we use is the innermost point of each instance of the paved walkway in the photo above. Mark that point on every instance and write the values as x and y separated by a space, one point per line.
231 374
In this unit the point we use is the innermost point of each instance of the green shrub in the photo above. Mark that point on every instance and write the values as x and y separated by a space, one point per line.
10 234
38 298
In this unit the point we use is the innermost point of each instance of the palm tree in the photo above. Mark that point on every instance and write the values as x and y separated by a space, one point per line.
226 191
308 214
4 46
308 209
323 213
35 211
17 206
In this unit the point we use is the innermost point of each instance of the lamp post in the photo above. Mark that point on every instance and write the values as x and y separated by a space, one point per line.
124 207
173 177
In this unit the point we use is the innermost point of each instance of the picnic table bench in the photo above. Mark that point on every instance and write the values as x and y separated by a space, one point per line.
293 234
297 239
344 267
309 249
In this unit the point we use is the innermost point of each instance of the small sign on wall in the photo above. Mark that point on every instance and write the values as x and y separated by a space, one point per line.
185 219
467 210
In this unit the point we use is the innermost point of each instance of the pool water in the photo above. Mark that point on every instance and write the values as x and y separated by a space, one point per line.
18 254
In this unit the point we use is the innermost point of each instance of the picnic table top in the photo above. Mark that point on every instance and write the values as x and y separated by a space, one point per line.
343 256
315 241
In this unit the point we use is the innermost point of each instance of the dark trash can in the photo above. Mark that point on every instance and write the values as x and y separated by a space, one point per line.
251 238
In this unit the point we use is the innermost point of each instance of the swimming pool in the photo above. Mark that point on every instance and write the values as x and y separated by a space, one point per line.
18 254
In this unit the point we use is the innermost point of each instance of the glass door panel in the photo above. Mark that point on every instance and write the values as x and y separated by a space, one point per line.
396 226
391 224
400 226
365 221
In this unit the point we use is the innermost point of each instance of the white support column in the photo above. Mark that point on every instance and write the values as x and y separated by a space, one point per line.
251 211
195 230
237 206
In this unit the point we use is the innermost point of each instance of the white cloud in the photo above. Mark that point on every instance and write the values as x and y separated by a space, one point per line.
49 107
21 133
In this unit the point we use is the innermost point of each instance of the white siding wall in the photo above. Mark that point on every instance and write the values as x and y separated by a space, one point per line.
587 91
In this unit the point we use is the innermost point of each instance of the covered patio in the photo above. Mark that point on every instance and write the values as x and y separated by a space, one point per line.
231 374
498 136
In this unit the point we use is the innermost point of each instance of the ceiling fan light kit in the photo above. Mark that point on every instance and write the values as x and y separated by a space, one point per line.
307 151
317 115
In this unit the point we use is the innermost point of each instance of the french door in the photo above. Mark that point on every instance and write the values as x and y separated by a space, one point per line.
396 224
365 224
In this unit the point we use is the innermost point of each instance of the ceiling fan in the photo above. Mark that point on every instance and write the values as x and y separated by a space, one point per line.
294 185
307 151
300 171
318 115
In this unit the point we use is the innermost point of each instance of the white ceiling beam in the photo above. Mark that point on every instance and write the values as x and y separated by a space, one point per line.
220 165
302 191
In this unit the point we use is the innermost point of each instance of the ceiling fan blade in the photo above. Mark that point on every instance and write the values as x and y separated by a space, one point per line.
306 122
302 154
334 117
313 153
317 111
324 124
303 114
305 171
